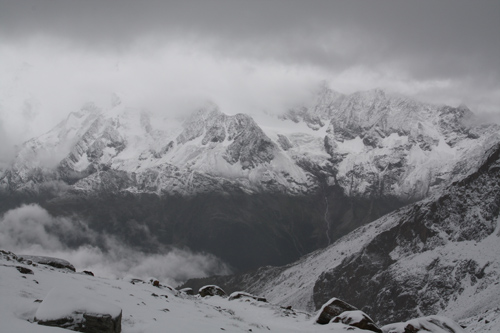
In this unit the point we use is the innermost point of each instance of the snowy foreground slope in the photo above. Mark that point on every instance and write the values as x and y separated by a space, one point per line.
438 256
142 310
31 290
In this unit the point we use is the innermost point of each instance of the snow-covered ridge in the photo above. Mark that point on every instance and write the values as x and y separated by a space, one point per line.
369 143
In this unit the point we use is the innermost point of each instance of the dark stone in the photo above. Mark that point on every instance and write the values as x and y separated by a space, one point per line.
211 291
134 281
238 295
88 273
24 270
284 143
411 329
332 309
102 323
67 322
156 283
351 319
49 261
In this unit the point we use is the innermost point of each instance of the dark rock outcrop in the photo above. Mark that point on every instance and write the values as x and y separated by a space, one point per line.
49 261
357 319
332 309
242 294
87 323
102 323
429 324
211 290
24 270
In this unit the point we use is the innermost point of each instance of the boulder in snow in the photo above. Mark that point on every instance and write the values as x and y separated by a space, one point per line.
357 319
97 323
66 309
24 270
211 290
429 324
49 261
332 309
242 294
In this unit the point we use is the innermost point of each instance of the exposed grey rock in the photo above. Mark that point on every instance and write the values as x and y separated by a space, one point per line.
332 309
211 290
429 324
250 145
24 270
68 322
87 322
357 319
284 143
49 261
101 323
64 308
242 294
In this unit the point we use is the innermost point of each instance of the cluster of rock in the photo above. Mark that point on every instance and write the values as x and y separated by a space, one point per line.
65 308
213 290
338 311
35 261
437 324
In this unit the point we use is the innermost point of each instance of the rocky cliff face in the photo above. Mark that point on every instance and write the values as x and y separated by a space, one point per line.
381 145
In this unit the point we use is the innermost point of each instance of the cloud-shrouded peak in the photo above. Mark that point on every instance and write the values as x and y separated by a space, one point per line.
248 57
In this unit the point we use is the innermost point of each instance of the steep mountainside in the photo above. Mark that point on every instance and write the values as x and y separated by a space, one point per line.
436 256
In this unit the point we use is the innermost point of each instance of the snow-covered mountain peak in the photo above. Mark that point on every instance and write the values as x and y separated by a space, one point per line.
369 143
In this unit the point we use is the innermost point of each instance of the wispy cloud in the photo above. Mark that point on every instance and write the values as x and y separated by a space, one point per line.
30 229
245 56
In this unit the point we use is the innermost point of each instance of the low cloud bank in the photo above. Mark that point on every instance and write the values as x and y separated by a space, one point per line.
30 229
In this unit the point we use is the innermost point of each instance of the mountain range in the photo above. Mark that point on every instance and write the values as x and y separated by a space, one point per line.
385 202
282 184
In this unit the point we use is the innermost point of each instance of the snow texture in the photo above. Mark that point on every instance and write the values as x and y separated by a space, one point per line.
145 308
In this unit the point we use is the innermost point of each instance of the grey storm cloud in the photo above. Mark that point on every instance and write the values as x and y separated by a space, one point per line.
253 54
433 38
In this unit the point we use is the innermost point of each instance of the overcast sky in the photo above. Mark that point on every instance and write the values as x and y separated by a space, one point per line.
243 55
